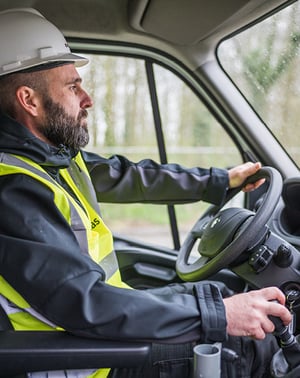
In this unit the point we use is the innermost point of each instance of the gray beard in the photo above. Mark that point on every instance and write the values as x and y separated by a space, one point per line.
60 128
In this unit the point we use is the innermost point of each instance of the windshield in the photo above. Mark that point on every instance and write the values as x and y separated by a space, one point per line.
264 63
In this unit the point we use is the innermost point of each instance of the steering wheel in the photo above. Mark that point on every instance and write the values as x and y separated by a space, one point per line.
226 233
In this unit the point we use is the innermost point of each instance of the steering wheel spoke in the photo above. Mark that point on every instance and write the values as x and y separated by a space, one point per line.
200 226
225 234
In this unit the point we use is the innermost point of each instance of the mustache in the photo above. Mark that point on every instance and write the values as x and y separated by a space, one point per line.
83 114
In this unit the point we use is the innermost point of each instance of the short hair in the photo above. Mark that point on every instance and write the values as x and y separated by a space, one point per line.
9 85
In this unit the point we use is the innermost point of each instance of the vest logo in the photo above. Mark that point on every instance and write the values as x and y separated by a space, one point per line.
95 222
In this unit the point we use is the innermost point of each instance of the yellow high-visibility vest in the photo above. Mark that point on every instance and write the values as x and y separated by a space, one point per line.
94 238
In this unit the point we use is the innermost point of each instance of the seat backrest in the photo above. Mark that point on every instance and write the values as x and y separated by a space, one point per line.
6 325
30 351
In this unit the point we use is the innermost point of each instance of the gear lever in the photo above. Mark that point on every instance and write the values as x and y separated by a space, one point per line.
288 343
282 332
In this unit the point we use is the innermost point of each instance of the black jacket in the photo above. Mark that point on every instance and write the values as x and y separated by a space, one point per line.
41 259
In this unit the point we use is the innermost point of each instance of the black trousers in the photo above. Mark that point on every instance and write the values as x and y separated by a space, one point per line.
176 361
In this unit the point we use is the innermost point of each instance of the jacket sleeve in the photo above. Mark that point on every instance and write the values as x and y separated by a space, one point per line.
119 180
41 260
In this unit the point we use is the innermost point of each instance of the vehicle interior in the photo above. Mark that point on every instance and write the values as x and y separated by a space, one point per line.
211 84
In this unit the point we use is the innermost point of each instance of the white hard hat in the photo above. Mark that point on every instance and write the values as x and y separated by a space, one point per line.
28 40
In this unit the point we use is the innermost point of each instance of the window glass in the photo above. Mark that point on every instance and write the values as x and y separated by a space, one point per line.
264 62
121 122
193 137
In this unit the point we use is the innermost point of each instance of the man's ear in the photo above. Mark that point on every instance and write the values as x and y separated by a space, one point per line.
28 100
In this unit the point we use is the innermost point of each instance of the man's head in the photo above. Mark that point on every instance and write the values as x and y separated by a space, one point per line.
39 85
64 103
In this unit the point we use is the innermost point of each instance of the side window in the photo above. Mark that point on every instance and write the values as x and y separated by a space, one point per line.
122 122
264 63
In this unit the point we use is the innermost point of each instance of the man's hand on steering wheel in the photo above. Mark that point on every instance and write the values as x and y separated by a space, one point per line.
239 174
225 233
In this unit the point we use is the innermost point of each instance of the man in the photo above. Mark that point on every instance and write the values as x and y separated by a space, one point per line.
58 269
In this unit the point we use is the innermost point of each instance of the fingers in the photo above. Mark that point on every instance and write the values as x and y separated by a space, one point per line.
253 186
274 304
259 333
239 174
251 168
248 314
272 293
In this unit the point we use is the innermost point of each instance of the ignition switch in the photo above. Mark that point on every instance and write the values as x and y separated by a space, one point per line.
260 258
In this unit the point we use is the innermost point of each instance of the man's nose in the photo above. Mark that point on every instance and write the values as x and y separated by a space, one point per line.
86 101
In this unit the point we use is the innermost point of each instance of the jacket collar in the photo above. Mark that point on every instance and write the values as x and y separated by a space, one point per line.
17 139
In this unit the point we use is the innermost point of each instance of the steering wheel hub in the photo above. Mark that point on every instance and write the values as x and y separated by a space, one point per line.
221 230
226 233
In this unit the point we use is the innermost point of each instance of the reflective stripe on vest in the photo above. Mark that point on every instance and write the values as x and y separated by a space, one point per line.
91 233
62 374
93 237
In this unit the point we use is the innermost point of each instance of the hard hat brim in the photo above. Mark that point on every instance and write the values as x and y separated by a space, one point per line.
37 65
